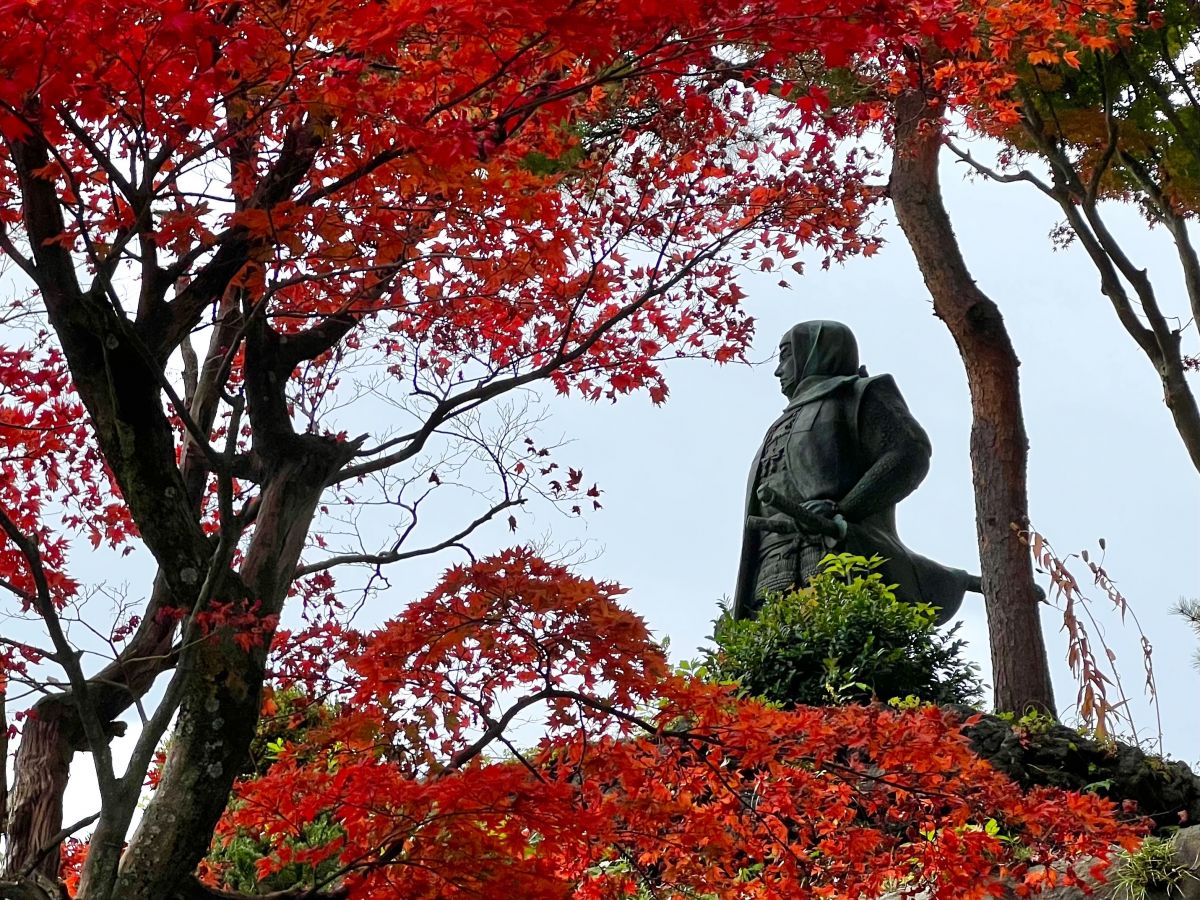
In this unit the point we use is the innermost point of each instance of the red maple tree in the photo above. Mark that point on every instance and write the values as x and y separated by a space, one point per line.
408 210
631 780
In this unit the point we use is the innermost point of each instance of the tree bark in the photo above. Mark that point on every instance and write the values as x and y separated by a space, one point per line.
999 445
3 756
120 386
221 700
42 766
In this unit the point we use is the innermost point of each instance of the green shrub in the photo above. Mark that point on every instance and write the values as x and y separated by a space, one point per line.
1152 867
843 639
234 859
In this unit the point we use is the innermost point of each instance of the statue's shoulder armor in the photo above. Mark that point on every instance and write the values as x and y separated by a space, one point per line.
883 388
899 423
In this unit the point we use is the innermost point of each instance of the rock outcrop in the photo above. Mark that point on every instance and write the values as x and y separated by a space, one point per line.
1045 753
1173 874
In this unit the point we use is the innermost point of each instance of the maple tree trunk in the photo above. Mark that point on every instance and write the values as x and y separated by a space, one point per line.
118 376
118 369
999 445
4 757
220 706
51 735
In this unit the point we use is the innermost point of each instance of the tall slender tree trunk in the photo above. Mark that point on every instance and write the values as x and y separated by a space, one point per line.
999 445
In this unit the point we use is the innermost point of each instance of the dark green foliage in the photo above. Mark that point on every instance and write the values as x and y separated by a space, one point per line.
1190 610
236 859
843 639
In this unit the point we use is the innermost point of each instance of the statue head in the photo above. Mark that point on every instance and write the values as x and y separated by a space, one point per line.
815 349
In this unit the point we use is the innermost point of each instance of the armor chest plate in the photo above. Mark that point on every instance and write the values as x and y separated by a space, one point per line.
811 452
774 448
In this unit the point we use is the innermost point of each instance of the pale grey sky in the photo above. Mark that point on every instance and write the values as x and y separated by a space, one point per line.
1105 461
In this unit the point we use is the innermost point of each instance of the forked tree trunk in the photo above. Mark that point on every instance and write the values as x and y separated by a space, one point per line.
52 735
999 445
222 695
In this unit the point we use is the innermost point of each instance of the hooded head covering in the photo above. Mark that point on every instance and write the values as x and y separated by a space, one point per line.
824 356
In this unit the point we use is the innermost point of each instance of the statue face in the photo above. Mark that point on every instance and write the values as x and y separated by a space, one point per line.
815 349
786 371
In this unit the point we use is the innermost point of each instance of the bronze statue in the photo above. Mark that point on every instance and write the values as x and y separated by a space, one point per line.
829 475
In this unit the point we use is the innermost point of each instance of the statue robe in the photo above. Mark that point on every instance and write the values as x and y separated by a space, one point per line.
827 447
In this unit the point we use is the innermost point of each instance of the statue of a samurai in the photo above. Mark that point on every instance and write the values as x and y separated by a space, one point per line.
829 475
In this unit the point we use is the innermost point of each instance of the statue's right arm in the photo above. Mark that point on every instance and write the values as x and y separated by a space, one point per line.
897 448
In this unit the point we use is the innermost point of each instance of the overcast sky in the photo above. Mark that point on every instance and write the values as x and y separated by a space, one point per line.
1105 460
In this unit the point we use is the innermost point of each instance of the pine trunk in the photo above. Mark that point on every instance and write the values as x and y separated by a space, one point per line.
999 445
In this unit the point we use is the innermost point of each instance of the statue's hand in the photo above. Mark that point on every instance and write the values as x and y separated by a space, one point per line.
767 495
826 508
802 519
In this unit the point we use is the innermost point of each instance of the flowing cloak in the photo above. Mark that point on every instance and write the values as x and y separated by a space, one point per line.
829 448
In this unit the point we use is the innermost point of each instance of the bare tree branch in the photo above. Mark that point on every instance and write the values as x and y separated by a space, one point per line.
64 654
55 840
396 555
993 175
449 407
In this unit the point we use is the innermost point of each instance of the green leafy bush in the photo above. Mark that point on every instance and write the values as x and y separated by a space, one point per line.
235 861
843 639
